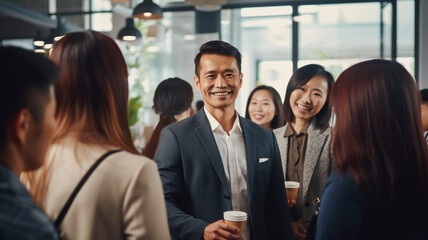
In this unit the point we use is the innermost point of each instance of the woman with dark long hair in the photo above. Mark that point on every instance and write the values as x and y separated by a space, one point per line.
264 107
304 142
122 198
172 102
380 188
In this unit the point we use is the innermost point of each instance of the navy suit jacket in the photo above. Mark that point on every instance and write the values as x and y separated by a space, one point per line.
195 184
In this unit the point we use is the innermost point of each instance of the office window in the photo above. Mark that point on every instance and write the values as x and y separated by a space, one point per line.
263 36
101 5
338 35
406 34
275 74
102 22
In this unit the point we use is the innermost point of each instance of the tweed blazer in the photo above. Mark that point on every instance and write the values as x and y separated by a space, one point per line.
317 167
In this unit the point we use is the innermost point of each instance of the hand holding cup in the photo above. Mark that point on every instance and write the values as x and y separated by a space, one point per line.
292 190
235 218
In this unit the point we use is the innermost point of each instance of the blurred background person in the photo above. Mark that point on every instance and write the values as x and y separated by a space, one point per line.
264 107
123 198
424 113
27 125
304 142
379 190
172 102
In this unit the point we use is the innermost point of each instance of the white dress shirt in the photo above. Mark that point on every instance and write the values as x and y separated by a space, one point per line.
232 151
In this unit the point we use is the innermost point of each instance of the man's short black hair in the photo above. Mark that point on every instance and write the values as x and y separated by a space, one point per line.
26 78
424 95
217 47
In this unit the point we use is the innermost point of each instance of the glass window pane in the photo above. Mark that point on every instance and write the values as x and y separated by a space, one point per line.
387 31
406 34
77 22
167 50
101 5
275 74
338 35
102 22
263 36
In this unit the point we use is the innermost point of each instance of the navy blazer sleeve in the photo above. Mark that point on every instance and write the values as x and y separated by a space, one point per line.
168 158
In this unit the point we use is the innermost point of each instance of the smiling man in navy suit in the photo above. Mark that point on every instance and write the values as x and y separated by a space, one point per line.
217 161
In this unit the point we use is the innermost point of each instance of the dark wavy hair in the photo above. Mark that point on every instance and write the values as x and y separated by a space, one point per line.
172 96
217 47
278 119
299 78
377 137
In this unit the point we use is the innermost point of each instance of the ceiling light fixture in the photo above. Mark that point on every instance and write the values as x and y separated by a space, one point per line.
129 33
50 40
147 10
39 40
39 50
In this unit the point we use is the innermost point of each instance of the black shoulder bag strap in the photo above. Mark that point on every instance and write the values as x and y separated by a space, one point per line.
67 205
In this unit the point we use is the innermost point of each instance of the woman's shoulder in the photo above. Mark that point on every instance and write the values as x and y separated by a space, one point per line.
131 160
123 167
341 179
340 185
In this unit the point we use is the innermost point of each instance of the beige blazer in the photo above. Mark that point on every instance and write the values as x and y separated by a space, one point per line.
317 167
122 199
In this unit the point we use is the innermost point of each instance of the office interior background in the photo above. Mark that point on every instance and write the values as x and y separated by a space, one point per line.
275 37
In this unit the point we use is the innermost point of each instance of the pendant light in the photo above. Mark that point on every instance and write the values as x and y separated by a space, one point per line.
39 40
147 10
129 32
50 40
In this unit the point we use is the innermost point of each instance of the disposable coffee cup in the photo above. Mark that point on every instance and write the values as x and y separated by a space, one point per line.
235 218
292 189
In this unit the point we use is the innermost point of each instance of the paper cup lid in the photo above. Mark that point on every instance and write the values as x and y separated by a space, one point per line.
235 216
291 184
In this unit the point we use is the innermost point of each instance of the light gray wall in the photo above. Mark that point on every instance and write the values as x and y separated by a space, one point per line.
423 44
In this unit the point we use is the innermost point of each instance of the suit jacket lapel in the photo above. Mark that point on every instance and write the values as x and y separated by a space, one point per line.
313 150
283 146
205 135
250 155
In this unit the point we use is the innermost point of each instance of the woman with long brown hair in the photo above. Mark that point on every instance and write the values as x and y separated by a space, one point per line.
123 198
380 188
172 102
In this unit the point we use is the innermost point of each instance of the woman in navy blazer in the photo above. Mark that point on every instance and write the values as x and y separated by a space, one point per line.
380 188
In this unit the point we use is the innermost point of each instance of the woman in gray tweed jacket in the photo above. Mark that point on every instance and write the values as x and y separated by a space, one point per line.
304 141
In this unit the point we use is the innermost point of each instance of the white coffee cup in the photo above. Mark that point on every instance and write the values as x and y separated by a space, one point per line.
292 189
235 218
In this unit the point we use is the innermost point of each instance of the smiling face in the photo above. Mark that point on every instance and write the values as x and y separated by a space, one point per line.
307 100
219 81
262 108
